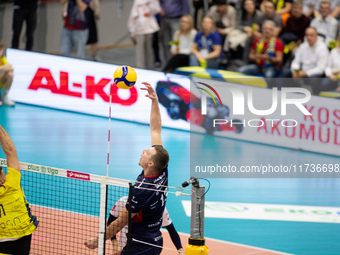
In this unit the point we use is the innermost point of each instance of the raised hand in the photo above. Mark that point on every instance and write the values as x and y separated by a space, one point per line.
151 92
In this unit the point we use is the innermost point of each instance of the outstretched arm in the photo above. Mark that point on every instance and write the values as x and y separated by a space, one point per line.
155 116
9 149
111 230
174 237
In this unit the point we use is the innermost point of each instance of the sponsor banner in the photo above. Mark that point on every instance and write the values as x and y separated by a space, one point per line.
83 86
69 174
36 168
77 175
275 212
285 125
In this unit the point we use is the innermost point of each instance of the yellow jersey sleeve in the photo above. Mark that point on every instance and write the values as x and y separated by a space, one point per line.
3 61
16 219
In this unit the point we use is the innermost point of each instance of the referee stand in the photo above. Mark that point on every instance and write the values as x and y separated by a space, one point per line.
196 244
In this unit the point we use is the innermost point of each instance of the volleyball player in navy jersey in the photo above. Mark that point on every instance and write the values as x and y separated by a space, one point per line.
148 194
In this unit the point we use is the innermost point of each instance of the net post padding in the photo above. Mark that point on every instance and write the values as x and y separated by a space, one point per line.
196 244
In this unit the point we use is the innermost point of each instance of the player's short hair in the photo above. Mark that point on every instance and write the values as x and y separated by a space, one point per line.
0 169
161 158
2 45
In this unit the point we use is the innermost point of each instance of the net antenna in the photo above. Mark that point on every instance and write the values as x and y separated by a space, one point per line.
196 244
104 189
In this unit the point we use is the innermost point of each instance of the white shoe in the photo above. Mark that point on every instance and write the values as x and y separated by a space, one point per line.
0 103
7 101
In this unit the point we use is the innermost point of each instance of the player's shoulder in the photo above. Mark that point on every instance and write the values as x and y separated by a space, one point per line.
13 172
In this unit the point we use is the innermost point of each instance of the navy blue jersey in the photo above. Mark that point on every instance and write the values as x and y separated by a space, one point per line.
149 203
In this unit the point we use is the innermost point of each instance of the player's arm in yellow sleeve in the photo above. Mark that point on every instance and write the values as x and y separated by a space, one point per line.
8 147
155 115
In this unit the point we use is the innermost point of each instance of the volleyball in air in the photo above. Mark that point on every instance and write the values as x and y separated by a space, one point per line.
125 77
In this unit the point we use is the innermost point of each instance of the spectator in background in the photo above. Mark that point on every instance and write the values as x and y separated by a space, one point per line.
75 31
296 26
24 10
269 14
155 44
334 4
6 77
267 52
142 24
182 44
93 15
207 48
224 17
310 59
326 25
248 16
282 7
198 6
172 11
332 71
237 38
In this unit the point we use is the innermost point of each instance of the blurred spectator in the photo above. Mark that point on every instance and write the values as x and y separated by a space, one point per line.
6 77
248 16
334 4
237 38
198 6
296 26
172 11
267 52
282 7
326 25
310 59
155 44
142 24
308 7
182 44
93 14
269 14
75 31
207 48
24 10
332 71
224 17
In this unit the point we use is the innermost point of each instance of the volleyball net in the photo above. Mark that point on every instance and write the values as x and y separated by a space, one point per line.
72 207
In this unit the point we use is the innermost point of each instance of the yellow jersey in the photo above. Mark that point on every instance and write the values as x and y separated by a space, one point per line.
16 219
3 61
